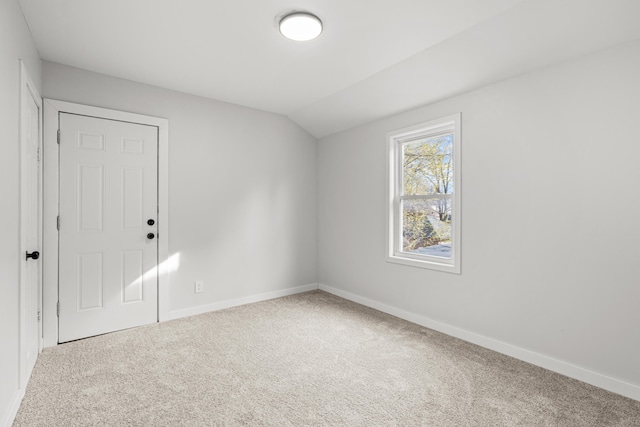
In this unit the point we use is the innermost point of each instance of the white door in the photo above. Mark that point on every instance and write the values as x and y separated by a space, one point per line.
108 226
30 231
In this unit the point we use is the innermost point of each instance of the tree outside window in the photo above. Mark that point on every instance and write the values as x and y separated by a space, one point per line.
427 167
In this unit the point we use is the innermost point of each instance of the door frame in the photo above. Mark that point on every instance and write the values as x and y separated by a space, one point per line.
28 89
52 109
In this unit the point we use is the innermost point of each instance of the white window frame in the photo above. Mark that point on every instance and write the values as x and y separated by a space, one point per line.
395 140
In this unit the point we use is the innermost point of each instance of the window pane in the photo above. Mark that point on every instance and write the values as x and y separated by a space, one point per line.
427 166
426 227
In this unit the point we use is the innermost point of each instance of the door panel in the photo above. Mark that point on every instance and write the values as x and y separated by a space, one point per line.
132 271
90 281
90 197
108 190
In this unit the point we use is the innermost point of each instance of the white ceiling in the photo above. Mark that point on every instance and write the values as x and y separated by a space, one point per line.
374 58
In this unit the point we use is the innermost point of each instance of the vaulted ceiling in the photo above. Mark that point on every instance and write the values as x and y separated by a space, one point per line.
375 57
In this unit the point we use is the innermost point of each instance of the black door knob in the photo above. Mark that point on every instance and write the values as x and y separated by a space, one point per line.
150 222
33 255
150 236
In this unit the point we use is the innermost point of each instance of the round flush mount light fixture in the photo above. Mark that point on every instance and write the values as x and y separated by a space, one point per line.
300 26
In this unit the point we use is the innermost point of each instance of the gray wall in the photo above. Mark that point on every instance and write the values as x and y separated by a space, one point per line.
550 211
242 187
15 44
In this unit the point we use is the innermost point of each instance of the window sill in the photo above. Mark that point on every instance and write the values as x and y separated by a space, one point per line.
427 264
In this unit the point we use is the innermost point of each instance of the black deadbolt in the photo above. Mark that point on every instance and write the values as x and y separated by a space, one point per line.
150 236
150 222
33 255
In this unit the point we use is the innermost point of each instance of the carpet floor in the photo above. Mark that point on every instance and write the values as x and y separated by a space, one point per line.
310 359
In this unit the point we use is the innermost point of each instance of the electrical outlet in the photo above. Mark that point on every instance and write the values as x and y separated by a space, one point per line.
199 286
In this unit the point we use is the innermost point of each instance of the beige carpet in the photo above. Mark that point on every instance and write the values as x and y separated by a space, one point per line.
306 360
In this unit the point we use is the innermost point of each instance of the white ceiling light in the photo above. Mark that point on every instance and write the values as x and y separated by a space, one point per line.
300 26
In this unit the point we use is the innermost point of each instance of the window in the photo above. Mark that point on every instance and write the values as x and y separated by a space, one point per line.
424 195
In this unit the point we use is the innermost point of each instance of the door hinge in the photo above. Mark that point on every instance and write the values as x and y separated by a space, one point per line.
58 222
58 309
38 315
38 151
58 136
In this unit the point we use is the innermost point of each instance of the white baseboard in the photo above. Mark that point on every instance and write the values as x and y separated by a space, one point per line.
192 311
12 409
594 378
